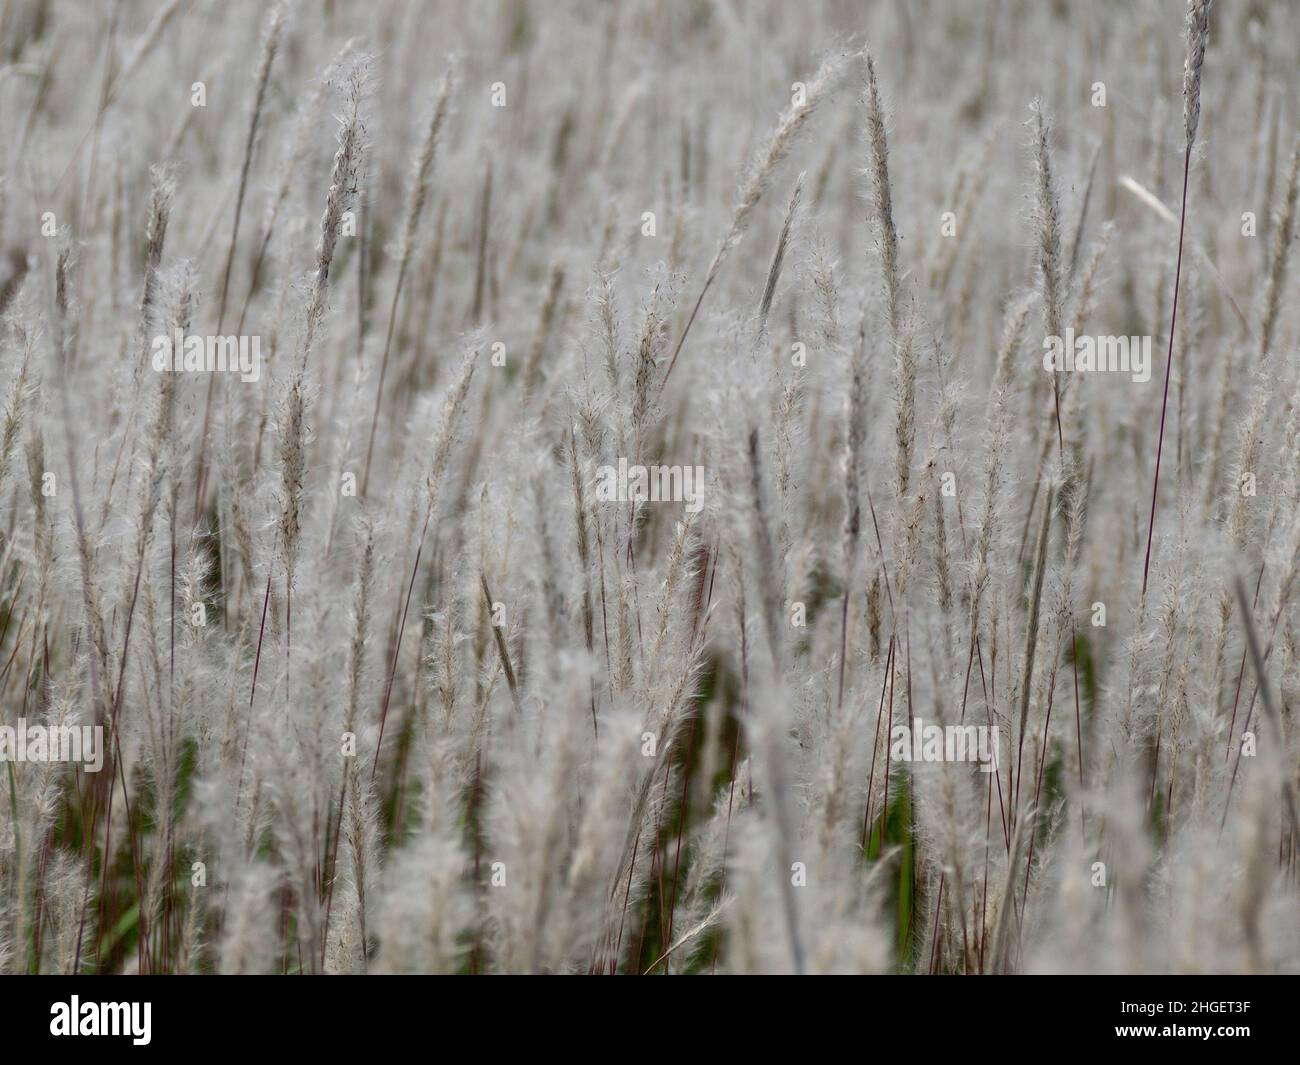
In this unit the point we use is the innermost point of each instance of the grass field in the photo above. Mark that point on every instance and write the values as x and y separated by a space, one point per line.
666 486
